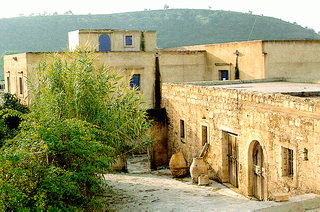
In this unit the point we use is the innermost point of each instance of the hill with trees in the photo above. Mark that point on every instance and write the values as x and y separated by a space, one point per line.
175 27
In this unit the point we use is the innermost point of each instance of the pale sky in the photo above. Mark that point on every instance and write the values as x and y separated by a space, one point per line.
306 13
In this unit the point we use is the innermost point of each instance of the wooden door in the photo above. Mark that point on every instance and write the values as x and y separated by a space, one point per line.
258 172
233 160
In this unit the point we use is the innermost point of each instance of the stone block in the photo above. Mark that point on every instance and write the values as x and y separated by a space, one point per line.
281 197
203 179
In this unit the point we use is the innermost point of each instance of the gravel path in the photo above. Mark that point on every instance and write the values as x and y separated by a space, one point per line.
142 190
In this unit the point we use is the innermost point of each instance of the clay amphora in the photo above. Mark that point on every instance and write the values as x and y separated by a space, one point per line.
198 167
178 165
120 164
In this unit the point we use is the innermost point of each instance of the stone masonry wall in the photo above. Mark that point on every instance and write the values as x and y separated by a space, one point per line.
274 120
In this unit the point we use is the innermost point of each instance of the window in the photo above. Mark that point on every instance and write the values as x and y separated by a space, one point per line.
8 84
224 75
20 85
104 43
182 130
135 81
204 134
128 41
287 161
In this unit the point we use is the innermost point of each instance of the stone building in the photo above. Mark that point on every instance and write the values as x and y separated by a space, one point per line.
136 52
263 135
133 53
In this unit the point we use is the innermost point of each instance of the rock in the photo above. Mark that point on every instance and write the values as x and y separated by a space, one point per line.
280 197
203 179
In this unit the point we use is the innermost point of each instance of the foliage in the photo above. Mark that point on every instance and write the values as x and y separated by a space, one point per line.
10 101
71 86
53 165
175 27
82 117
11 114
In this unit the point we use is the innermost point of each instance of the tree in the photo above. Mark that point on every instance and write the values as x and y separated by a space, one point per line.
68 13
71 86
82 117
11 113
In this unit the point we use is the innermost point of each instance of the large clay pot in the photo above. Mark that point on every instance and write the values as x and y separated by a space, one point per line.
197 168
120 164
178 165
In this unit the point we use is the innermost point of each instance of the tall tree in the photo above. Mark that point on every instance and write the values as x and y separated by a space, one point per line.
82 117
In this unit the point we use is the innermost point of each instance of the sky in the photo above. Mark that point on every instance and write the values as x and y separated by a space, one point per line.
305 13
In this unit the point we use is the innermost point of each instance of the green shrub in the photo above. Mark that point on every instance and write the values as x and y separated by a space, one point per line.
82 117
53 164
11 114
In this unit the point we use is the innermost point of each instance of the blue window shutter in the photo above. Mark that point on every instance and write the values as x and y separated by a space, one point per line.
104 43
135 81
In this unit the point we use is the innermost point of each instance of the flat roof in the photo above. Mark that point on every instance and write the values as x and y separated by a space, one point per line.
274 87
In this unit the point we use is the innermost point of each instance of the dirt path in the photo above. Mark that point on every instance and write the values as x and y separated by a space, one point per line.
142 190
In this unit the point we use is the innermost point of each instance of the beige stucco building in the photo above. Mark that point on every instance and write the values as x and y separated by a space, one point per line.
291 59
263 136
129 52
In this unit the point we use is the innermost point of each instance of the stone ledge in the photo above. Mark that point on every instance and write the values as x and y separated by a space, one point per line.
297 203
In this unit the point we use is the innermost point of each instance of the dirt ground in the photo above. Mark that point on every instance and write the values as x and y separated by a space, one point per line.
143 190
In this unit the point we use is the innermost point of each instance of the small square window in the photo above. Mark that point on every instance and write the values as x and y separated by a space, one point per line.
128 41
287 161
224 74
135 81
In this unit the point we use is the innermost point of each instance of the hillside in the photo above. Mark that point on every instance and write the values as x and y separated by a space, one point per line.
175 27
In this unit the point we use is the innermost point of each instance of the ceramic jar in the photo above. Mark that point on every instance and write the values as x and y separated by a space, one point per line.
120 164
178 165
197 168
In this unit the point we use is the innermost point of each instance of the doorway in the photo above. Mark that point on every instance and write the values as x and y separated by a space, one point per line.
257 171
233 155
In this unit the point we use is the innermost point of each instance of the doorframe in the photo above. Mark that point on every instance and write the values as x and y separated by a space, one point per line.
225 176
252 145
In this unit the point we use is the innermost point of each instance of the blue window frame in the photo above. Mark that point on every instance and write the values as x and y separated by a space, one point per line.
135 81
128 40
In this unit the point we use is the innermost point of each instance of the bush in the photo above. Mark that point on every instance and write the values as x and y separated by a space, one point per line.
11 114
82 117
10 101
53 164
